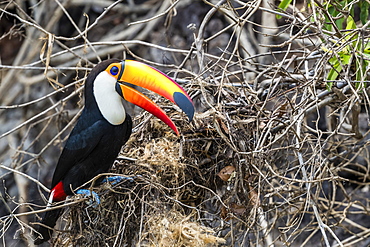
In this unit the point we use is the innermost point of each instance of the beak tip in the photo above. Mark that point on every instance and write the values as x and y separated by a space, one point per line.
185 104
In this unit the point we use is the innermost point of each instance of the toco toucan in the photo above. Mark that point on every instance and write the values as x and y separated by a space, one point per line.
104 126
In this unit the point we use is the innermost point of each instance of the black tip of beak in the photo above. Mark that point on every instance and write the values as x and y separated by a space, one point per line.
185 104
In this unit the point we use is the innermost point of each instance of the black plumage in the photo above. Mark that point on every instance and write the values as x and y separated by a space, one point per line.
86 153
91 149
104 126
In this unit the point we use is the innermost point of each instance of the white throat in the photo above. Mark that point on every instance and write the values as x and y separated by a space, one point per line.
108 100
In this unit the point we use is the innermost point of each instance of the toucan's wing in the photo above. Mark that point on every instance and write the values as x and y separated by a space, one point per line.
81 142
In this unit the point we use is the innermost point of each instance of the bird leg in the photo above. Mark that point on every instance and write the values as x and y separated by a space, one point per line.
117 179
113 180
87 193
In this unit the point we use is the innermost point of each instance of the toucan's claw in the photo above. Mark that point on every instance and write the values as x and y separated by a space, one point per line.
117 179
89 193
113 180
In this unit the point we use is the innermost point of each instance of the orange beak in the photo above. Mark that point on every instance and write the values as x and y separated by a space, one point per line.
142 75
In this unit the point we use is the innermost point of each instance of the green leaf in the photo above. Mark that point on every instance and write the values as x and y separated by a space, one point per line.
350 23
358 71
283 5
364 11
334 72
333 12
345 58
339 23
329 85
361 66
367 48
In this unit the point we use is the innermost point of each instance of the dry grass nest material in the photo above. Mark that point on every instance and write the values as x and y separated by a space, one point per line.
176 229
158 207
232 177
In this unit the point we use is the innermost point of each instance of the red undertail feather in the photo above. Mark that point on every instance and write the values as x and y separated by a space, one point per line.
58 192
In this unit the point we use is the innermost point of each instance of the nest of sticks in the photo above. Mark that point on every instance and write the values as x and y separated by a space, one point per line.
182 191
210 186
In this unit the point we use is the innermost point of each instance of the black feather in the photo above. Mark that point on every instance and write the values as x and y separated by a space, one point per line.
91 149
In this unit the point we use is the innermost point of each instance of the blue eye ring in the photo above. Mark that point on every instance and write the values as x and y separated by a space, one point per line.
114 70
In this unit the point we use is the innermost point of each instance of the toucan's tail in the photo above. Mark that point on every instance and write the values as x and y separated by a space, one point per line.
50 218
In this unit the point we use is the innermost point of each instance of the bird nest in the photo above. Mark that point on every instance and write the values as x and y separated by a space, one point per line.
212 185
247 170
173 199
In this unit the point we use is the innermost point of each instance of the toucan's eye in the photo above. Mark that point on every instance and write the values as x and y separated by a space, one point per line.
114 70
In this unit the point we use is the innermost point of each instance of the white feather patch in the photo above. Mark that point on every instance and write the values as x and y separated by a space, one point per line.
50 201
108 100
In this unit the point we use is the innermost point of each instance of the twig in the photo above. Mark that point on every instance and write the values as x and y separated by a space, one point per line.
163 13
26 176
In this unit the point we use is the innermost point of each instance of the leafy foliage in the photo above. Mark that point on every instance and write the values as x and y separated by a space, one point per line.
349 48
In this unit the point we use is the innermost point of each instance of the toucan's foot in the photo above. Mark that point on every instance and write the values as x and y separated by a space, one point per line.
89 193
117 179
113 180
